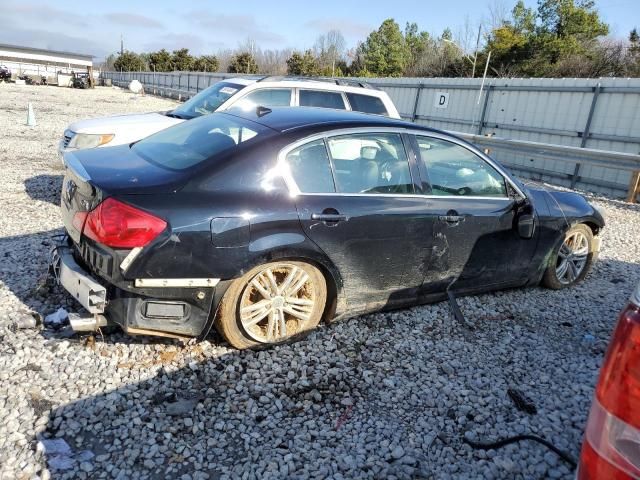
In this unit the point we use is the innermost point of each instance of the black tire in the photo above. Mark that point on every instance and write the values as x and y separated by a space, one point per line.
550 278
230 325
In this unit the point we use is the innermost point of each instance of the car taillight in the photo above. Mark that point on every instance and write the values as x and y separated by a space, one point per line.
118 225
611 447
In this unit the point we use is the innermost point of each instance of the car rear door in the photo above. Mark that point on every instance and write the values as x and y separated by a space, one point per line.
476 245
356 199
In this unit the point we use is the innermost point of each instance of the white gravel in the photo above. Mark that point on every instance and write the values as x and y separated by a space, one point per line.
380 396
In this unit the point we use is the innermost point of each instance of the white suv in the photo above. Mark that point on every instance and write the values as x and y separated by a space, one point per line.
234 92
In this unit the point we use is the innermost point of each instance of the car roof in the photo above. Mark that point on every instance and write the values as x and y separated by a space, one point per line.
285 119
312 83
239 80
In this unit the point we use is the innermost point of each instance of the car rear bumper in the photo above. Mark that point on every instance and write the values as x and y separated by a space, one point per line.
156 310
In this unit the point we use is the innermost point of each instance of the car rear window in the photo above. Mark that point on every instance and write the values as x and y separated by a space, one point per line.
366 104
317 98
190 143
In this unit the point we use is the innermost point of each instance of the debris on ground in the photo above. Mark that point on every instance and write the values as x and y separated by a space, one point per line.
57 319
59 455
522 402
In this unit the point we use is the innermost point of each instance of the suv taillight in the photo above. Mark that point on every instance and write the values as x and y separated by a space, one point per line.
118 225
611 447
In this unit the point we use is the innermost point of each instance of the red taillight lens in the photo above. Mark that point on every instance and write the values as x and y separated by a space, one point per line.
118 225
618 388
611 447
595 467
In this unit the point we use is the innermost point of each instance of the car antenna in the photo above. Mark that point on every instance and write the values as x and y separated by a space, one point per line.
262 111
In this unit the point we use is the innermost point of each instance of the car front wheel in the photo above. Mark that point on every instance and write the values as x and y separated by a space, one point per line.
271 304
571 260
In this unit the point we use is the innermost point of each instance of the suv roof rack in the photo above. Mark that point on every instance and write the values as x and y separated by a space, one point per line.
337 81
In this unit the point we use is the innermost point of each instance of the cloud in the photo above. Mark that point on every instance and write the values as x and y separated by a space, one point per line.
51 41
347 27
236 25
33 13
132 20
41 13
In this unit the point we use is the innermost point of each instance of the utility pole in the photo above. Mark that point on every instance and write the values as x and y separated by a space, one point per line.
121 45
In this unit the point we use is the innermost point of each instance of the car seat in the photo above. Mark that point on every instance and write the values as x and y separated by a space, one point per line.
313 173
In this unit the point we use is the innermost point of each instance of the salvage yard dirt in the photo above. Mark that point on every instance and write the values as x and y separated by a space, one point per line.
387 395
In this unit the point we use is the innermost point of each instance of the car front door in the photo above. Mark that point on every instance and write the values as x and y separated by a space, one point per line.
476 244
356 200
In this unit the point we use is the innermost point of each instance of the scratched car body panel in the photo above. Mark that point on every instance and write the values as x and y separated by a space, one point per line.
349 194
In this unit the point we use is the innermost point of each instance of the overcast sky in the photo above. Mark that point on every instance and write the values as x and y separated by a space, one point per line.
207 26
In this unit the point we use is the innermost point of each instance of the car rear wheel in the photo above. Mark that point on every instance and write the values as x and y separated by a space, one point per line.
572 260
271 304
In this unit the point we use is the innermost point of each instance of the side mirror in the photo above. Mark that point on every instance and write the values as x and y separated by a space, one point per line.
526 225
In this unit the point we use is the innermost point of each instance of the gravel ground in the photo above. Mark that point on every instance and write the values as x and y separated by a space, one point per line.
386 395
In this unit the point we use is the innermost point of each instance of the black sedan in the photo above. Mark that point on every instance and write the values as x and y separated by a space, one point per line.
266 222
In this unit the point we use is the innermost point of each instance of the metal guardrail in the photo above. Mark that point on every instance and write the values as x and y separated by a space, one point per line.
588 156
579 155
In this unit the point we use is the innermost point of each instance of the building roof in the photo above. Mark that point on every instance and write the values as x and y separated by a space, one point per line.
83 56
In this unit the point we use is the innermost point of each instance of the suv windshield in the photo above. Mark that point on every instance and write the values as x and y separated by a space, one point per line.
207 101
190 143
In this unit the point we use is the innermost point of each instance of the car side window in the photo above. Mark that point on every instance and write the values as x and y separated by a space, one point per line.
310 168
370 163
317 98
366 104
455 170
269 97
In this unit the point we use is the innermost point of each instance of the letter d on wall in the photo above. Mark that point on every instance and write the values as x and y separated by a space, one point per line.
441 100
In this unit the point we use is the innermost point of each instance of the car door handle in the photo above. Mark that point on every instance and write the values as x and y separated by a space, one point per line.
451 218
328 217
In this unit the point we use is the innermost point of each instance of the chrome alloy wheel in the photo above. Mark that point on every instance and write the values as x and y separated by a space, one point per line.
572 257
277 303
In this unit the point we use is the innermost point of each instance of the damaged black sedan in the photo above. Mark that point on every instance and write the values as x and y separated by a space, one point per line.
263 223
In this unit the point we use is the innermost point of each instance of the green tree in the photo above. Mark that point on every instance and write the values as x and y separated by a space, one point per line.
634 40
182 60
160 61
567 27
243 63
206 63
417 45
561 38
384 53
129 62
511 44
305 65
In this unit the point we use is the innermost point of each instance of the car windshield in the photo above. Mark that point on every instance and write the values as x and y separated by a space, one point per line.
190 143
208 100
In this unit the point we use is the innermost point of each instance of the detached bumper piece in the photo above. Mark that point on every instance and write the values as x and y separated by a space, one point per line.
91 295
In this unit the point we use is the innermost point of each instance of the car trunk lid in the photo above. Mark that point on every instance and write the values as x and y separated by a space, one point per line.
95 174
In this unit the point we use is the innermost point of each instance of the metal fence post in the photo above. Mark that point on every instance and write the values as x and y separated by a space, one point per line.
484 109
415 105
585 133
